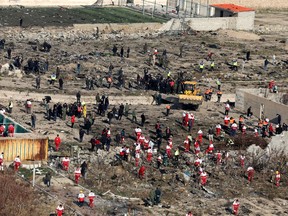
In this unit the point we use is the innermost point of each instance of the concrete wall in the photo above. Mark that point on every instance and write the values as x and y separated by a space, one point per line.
209 24
245 98
245 20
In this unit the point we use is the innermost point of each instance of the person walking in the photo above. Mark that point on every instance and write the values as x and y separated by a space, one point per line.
33 120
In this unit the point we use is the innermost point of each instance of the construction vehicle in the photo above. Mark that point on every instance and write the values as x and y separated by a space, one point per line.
190 98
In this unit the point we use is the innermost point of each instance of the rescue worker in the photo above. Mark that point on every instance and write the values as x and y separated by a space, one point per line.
11 130
149 155
168 150
212 65
219 95
200 136
17 163
60 210
157 198
226 120
197 147
137 159
141 172
218 129
57 142
77 174
91 197
168 110
235 65
277 179
28 106
81 198
187 144
210 149
233 129
250 172
236 206
243 129
203 178
65 163
138 132
227 109
197 162
176 154
218 157
201 66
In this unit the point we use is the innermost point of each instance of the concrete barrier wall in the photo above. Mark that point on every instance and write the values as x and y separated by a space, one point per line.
245 20
46 2
209 24
245 99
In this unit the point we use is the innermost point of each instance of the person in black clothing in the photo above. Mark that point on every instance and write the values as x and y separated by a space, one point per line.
9 51
122 52
110 116
61 82
120 112
143 119
81 134
84 167
128 52
278 119
21 22
114 50
157 198
78 96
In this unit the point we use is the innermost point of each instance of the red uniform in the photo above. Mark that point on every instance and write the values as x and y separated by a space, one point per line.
91 197
142 172
17 163
218 130
137 158
200 136
77 175
149 155
236 206
277 179
11 130
210 149
187 145
168 150
141 139
57 142
219 157
197 147
226 120
60 210
203 178
250 172
65 163
81 197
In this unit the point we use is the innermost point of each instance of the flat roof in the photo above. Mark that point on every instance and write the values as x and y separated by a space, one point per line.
232 7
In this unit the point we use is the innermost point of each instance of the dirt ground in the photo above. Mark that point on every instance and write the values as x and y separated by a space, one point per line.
224 182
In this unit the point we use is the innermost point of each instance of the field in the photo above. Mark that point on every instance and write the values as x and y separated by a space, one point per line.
68 17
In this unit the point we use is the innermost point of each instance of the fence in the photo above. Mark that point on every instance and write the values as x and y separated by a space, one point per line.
173 8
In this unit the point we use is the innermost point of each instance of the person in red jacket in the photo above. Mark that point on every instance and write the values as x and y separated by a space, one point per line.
57 142
277 179
141 172
17 163
189 214
250 172
77 174
11 130
60 210
236 206
203 178
72 120
65 163
91 197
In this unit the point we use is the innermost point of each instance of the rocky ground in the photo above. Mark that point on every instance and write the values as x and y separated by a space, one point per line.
224 183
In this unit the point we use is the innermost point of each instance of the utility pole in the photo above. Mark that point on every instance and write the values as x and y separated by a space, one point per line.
143 7
166 6
207 8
